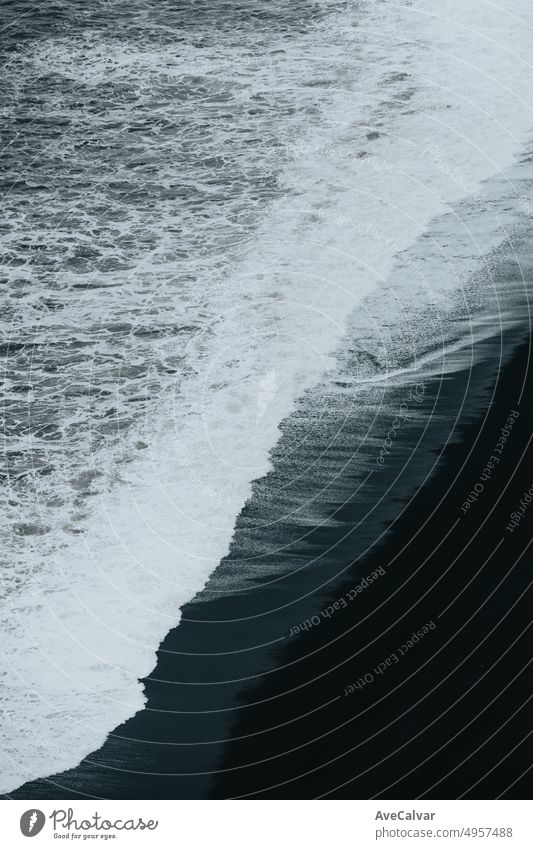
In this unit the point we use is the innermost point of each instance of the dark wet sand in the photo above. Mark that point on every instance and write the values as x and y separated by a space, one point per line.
453 716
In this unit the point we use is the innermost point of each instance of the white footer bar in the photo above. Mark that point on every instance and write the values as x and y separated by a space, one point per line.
258 824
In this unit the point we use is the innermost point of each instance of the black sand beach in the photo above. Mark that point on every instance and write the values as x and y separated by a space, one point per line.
310 683
444 714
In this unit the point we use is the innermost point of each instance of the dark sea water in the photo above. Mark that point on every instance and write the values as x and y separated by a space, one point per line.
234 237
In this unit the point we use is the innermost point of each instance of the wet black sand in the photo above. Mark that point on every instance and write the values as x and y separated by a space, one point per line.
239 707
451 716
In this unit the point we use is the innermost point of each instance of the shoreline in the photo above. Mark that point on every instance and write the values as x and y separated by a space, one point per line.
208 713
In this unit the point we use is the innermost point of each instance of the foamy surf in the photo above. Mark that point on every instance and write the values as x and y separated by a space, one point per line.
192 298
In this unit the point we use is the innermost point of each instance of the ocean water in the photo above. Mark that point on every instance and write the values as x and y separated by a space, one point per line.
200 202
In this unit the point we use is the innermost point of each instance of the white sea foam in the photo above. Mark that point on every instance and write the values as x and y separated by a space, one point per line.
411 108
